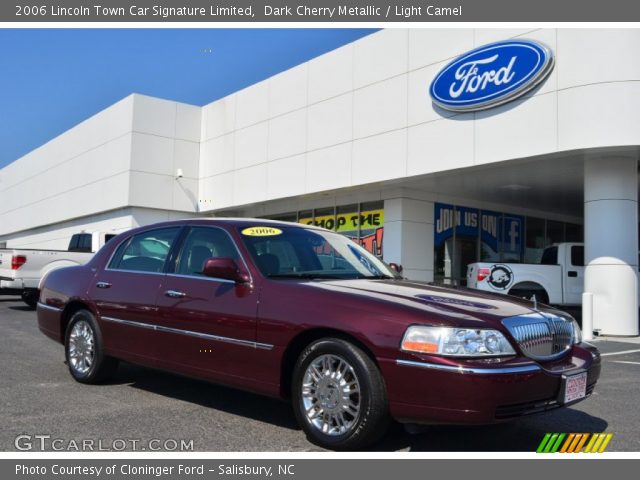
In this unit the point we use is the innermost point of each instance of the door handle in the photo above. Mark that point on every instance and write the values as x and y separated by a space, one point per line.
175 294
572 273
103 285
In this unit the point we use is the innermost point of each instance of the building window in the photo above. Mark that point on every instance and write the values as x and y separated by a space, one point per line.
535 241
464 235
555 232
363 223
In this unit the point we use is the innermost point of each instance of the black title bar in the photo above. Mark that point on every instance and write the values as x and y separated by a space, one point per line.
320 11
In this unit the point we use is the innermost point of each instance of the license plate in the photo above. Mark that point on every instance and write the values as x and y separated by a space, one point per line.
575 387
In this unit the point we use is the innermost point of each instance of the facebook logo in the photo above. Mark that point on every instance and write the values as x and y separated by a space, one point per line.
512 241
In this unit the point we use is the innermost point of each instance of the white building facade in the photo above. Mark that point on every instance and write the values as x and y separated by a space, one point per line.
352 141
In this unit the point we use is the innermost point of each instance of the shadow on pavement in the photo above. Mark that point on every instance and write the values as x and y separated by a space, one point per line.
521 435
230 400
22 308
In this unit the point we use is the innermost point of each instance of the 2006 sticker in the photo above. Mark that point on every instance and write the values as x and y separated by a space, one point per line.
261 231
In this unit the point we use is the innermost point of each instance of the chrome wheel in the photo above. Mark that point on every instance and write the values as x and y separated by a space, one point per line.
331 395
81 347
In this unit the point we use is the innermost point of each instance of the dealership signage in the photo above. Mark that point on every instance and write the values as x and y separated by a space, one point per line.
348 222
498 231
491 75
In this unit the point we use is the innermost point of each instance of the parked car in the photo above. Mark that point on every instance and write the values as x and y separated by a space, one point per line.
302 313
558 279
22 269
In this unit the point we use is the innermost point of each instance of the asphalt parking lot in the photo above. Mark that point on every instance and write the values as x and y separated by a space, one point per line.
39 397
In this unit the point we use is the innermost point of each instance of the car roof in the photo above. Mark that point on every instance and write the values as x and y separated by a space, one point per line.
240 222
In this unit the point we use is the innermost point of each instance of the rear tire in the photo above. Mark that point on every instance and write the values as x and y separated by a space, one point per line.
339 396
84 350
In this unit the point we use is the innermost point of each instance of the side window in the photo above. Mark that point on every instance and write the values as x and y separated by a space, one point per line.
145 252
201 244
577 256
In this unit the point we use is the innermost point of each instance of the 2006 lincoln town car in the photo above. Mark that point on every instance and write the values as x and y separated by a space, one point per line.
303 313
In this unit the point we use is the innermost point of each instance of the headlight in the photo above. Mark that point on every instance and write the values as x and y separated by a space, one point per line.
456 342
577 333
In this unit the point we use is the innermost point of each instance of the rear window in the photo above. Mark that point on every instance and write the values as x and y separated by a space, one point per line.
80 242
549 256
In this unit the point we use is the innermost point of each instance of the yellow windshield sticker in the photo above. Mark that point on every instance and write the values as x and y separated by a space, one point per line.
261 231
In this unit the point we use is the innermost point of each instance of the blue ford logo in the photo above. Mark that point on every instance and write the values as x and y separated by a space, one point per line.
491 75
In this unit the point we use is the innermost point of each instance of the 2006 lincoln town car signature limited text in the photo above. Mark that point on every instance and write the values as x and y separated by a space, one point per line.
303 313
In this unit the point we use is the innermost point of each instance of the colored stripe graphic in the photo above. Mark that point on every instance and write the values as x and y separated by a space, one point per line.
574 442
543 443
567 442
581 443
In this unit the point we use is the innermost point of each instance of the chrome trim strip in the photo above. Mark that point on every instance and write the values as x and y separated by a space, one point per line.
206 336
477 371
198 277
49 307
140 272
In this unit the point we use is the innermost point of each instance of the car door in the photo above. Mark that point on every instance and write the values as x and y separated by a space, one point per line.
574 274
126 290
207 326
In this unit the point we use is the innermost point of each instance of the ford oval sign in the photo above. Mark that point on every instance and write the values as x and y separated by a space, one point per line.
491 75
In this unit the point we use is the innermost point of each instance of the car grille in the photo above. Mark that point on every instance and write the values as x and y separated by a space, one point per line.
541 336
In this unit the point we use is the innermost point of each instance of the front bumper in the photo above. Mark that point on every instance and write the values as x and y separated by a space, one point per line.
425 389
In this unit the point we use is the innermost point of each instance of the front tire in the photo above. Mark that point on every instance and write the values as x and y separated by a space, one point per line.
339 396
84 350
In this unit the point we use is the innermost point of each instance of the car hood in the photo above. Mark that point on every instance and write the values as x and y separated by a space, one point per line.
444 303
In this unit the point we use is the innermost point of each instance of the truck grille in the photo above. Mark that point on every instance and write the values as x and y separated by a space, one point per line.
541 336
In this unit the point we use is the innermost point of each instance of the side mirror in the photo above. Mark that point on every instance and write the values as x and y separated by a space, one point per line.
396 267
224 268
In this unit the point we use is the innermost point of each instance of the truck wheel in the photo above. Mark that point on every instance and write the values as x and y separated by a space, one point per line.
339 396
84 351
30 297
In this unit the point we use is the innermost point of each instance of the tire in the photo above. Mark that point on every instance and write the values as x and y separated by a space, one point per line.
30 297
84 351
339 421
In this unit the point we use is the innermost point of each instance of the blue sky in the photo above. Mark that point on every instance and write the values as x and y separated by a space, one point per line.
50 80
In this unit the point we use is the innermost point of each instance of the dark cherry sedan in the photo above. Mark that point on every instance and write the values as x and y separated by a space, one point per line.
303 313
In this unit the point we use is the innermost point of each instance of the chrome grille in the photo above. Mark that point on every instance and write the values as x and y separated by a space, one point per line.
541 336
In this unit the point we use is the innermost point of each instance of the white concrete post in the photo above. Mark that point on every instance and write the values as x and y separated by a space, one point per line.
408 236
611 243
587 316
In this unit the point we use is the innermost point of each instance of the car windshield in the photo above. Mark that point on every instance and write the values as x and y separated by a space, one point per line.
294 252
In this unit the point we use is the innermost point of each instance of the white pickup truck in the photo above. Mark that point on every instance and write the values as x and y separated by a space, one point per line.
557 280
21 270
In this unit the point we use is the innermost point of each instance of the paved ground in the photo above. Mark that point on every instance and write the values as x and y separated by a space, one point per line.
38 396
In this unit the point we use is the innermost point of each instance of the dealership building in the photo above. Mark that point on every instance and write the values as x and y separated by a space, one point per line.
354 141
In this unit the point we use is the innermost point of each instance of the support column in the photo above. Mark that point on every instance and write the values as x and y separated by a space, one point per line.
408 236
611 243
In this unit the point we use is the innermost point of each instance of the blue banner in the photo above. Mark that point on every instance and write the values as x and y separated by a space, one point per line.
513 234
